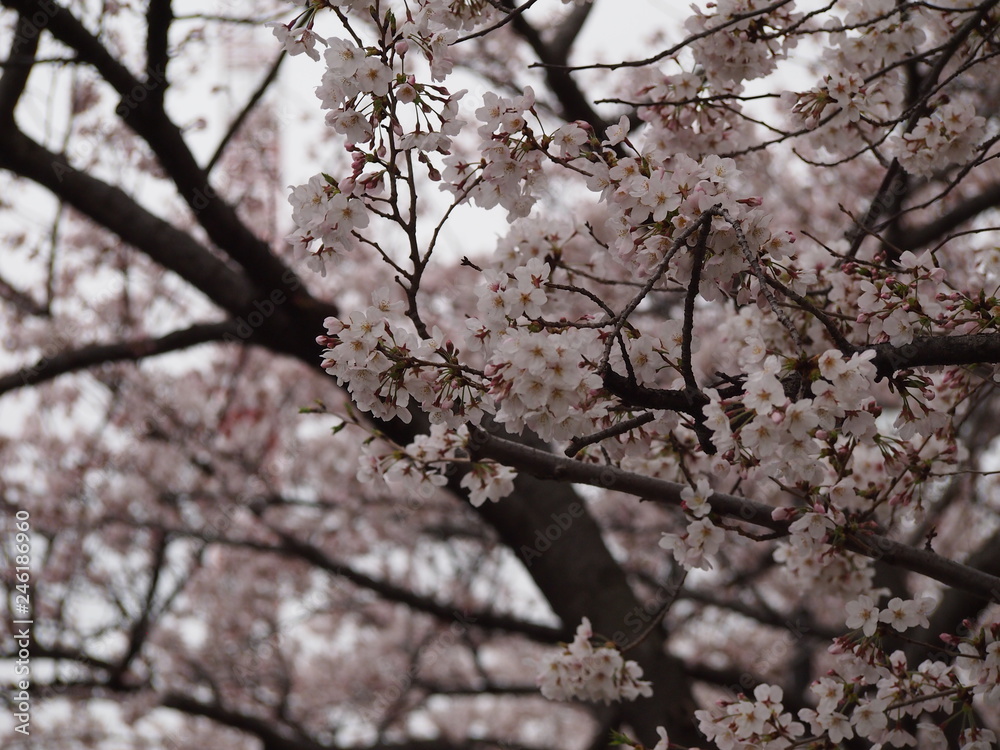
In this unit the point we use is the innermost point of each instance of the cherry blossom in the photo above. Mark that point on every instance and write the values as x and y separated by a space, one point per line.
585 672
862 613
581 325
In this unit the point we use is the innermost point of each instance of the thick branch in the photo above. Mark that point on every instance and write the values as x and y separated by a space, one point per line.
550 466
545 465
282 314
931 351
687 402
575 106
984 199
159 16
570 28
923 351
142 110
112 208
15 74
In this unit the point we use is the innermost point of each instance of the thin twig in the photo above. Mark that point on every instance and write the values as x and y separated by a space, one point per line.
577 444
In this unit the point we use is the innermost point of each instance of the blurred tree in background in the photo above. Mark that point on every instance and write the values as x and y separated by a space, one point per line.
720 392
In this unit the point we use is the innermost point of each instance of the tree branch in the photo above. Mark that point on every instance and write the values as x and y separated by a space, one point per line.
575 106
984 199
271 77
894 185
159 17
143 112
932 351
262 729
15 76
296 548
956 605
73 360
686 402
546 465
288 740
139 630
25 303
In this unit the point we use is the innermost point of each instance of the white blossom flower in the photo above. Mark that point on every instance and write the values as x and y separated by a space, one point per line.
696 498
862 613
581 671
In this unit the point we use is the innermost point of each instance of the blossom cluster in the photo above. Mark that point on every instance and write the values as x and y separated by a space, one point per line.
870 693
366 90
650 202
762 723
950 135
843 98
808 558
768 427
508 173
877 33
547 382
702 538
894 306
383 362
582 671
901 615
845 108
752 44
425 464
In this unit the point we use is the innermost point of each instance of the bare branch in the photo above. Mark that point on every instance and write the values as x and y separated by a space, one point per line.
73 360
258 94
